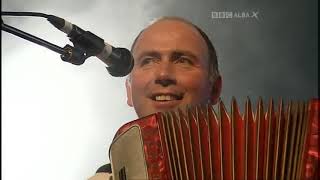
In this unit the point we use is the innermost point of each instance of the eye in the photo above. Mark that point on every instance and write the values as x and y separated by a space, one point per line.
146 60
184 59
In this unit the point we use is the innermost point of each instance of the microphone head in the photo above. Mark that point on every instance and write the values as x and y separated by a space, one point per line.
121 61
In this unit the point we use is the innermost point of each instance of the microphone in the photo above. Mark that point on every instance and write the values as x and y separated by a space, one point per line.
119 61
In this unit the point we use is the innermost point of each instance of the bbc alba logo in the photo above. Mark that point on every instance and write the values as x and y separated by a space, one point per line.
235 15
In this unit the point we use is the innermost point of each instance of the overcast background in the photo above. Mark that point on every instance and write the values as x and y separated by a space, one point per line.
58 119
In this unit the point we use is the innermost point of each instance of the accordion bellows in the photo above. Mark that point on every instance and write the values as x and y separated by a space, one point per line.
206 142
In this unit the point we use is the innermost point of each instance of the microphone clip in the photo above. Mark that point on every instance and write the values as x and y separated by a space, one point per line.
86 41
86 44
74 55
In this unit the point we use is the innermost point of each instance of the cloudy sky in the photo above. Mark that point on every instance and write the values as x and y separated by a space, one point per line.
58 119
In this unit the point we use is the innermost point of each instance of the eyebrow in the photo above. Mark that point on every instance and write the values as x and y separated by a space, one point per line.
150 53
179 53
173 54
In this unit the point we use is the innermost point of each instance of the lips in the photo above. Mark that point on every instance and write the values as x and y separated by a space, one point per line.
167 96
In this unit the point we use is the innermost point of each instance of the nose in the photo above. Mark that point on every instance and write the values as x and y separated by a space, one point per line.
165 82
165 74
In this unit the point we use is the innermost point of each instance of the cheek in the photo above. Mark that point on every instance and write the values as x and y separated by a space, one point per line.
197 86
139 81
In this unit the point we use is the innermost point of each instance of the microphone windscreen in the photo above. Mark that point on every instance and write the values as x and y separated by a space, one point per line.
121 62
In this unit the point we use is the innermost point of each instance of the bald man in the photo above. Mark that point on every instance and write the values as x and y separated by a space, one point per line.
175 65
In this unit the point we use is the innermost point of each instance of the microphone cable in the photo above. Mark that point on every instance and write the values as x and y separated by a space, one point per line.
35 14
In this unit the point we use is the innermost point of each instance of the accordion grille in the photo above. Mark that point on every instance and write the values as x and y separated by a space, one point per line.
204 143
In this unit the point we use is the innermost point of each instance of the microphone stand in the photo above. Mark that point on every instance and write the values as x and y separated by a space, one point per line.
68 53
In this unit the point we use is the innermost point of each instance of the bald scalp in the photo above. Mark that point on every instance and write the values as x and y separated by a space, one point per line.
159 20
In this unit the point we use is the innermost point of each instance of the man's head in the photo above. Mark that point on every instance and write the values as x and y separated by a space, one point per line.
175 65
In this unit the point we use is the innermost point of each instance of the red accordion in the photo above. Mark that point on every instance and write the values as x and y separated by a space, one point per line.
205 142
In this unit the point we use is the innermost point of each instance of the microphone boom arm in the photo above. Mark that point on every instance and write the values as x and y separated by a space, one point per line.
70 54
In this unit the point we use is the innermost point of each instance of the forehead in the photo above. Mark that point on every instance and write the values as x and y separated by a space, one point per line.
166 35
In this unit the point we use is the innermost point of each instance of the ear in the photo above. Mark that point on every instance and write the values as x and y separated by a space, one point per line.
216 90
129 93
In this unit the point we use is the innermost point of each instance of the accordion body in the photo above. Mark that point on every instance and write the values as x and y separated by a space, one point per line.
207 142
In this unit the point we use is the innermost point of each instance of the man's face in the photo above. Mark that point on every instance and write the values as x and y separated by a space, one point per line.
170 70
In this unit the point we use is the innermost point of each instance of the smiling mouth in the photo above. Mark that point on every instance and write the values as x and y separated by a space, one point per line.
166 97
